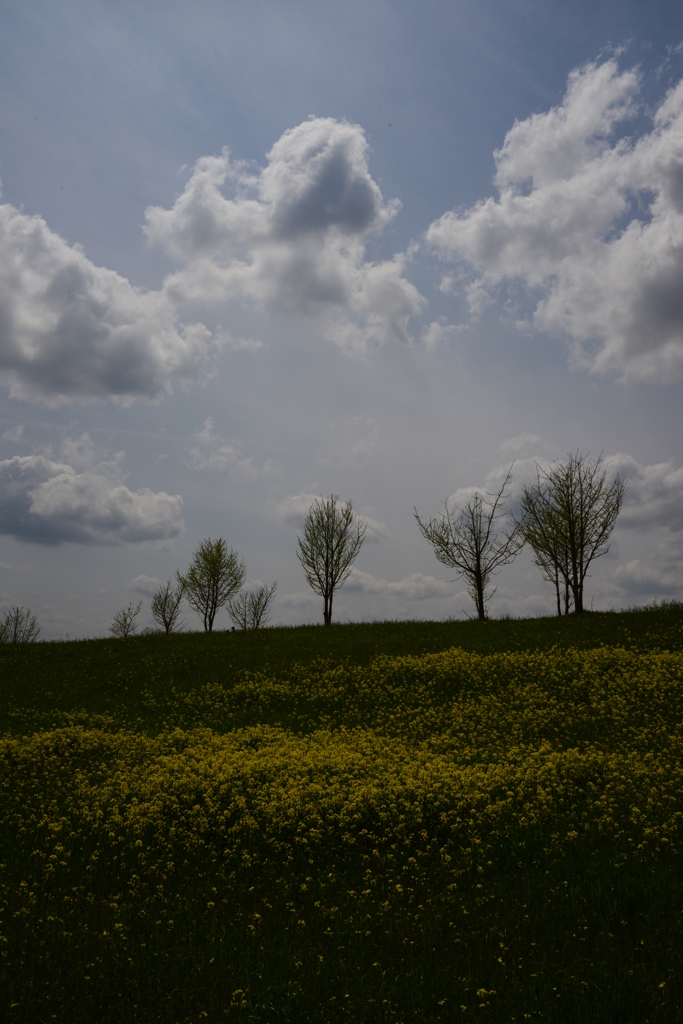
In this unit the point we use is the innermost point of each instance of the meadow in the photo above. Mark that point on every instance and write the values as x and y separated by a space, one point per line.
377 822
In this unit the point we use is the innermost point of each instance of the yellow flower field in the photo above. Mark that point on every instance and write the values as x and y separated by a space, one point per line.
350 816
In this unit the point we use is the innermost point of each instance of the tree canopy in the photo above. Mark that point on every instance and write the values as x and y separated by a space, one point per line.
332 538
567 518
215 575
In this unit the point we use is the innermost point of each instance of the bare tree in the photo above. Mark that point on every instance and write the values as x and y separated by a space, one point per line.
467 539
331 541
215 575
567 518
125 622
252 610
19 627
542 530
261 605
166 607
238 610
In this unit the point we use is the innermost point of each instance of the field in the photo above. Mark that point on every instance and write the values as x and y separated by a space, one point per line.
380 822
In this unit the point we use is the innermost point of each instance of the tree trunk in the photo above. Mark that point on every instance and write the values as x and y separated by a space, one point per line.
480 599
577 594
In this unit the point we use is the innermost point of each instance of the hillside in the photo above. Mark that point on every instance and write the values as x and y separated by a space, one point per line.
387 822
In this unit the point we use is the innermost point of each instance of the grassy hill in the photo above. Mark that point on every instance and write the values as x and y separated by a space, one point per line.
377 822
109 676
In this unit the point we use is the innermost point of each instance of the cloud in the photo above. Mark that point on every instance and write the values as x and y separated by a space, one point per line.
654 494
590 221
48 502
653 511
14 434
234 343
300 601
70 329
651 578
368 443
355 440
653 499
521 443
459 498
293 236
213 452
292 511
438 333
366 447
146 585
375 531
415 587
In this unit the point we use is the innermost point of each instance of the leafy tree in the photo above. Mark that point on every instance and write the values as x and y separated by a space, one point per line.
251 610
19 627
567 518
125 622
215 575
467 539
166 607
331 541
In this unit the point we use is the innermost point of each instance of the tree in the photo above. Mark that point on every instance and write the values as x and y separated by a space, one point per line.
541 529
19 627
166 606
331 541
467 539
252 610
215 575
125 622
567 518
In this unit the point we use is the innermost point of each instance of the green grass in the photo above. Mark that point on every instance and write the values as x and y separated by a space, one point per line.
102 677
346 824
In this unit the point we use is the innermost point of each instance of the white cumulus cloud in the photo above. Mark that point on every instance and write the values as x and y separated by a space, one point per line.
659 578
82 501
521 443
438 333
147 585
654 494
292 236
414 587
70 329
212 451
591 221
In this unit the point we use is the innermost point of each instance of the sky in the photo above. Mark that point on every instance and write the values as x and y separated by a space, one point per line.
252 253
